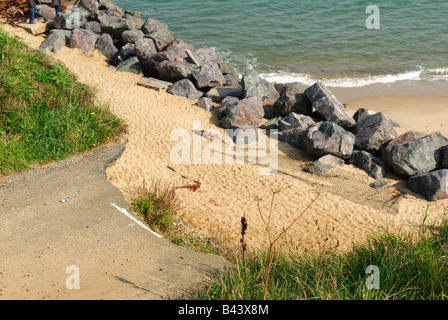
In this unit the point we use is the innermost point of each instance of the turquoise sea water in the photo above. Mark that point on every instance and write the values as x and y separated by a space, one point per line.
291 40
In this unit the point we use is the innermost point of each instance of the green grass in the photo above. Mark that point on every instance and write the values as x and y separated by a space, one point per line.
158 205
45 114
410 268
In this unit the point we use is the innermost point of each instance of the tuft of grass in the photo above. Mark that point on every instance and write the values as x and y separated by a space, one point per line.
157 204
45 114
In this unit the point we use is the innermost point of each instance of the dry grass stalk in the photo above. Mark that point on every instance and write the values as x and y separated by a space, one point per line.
271 239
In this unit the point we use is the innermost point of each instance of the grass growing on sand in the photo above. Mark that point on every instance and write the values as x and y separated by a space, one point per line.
45 114
158 205
410 268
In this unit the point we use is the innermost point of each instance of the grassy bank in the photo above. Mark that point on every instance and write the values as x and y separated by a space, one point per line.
45 114
406 268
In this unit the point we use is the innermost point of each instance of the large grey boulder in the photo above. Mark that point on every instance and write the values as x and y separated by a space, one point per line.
162 38
90 5
145 49
328 106
185 88
363 113
68 19
45 12
373 132
151 25
433 186
415 153
208 76
115 26
132 36
93 26
373 166
138 21
174 71
56 40
247 112
131 65
327 137
253 85
180 48
292 100
294 120
83 39
106 45
203 55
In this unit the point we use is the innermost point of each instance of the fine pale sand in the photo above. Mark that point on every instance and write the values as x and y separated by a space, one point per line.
348 209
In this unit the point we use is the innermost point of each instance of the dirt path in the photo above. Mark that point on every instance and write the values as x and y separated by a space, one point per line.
116 258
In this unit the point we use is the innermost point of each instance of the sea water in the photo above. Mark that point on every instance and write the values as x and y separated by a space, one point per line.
309 40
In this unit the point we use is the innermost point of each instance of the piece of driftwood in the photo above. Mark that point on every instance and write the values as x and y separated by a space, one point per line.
154 83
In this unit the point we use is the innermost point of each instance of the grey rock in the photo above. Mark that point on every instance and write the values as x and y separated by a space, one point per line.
433 186
83 39
247 112
138 21
90 5
132 36
145 50
232 80
322 165
45 11
209 76
56 40
175 70
206 104
67 20
292 99
136 14
115 26
112 7
255 86
185 88
152 25
294 120
362 113
326 104
105 44
131 65
373 166
93 26
327 137
162 38
373 132
207 55
415 153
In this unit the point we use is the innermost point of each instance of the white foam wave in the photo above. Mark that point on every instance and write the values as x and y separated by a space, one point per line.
346 82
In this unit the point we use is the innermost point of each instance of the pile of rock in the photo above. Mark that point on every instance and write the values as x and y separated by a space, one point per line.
309 118
321 126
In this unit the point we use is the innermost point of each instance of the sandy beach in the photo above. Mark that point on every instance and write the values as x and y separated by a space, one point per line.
348 209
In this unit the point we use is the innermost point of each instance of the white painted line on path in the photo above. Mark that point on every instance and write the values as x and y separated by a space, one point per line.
135 220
